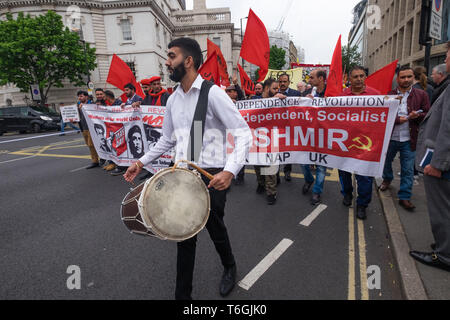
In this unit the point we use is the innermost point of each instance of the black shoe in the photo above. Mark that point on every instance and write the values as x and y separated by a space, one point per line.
117 172
430 259
271 200
348 198
315 199
228 281
260 189
62 134
361 213
306 187
287 176
93 165
101 162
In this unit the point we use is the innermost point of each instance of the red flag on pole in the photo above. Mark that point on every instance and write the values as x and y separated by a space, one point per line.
210 69
382 79
223 70
246 82
255 45
334 82
120 74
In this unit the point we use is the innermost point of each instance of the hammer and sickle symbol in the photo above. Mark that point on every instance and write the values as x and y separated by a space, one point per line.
361 145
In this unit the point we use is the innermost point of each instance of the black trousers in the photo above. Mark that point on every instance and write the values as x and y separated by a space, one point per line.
287 168
186 249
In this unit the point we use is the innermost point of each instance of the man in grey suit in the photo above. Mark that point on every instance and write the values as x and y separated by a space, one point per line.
435 134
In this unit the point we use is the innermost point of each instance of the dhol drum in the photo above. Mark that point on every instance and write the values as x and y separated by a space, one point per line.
172 205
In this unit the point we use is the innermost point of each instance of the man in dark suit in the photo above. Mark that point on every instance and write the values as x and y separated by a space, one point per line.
285 81
132 98
434 133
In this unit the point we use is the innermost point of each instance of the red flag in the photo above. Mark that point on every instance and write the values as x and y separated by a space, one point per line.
382 79
334 82
246 82
223 70
120 74
255 46
210 69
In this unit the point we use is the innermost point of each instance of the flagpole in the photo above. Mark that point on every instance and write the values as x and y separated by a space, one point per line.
242 40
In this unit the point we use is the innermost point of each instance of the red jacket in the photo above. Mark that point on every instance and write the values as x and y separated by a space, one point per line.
417 100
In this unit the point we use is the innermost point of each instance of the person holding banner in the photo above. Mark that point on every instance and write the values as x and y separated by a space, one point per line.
285 81
357 77
132 98
157 96
222 118
267 180
317 79
414 106
83 98
259 87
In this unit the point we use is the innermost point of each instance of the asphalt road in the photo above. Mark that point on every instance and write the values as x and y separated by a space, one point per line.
55 214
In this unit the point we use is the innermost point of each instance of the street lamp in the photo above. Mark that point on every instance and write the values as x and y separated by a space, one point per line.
242 40
89 85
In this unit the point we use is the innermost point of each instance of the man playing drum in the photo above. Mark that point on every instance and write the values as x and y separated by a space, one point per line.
222 118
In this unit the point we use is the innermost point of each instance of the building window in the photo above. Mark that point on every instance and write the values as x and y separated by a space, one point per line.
126 29
216 41
132 67
157 31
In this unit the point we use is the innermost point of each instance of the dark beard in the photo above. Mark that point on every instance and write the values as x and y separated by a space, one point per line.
178 73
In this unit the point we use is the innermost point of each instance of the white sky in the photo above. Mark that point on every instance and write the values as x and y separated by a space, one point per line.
315 25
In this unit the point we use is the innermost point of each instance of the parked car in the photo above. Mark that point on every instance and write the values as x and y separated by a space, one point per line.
28 118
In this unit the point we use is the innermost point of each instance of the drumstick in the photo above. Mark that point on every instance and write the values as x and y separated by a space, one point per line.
203 172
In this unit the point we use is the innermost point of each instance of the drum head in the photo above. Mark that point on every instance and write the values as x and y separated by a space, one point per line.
175 204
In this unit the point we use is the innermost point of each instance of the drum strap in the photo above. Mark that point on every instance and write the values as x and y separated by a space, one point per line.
199 119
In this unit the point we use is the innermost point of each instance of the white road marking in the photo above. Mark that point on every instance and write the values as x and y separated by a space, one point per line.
75 170
265 264
36 137
309 219
12 160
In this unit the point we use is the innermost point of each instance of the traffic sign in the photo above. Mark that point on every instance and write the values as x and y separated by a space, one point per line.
35 92
436 19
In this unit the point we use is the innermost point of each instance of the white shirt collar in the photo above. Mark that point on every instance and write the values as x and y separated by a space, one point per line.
197 84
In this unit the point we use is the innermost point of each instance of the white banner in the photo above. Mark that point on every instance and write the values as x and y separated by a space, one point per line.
70 114
125 135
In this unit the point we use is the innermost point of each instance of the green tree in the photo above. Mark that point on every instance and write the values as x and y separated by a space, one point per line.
350 58
40 50
277 60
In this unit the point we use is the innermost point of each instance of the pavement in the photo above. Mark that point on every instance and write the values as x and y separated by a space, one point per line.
412 231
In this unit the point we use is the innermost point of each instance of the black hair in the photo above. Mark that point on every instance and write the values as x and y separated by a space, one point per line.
84 93
268 83
99 89
354 68
284 75
133 151
190 48
109 94
404 68
130 86
99 126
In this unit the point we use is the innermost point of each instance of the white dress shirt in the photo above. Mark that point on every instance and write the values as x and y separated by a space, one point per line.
401 131
222 117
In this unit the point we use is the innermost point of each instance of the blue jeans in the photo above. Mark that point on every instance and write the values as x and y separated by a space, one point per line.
320 177
407 157
63 125
364 187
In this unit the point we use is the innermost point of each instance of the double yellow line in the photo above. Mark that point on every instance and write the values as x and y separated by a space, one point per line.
356 233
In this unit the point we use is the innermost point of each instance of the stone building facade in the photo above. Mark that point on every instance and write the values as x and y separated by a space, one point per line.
398 37
138 31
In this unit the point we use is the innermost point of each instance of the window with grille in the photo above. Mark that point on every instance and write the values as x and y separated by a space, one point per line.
132 67
126 29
